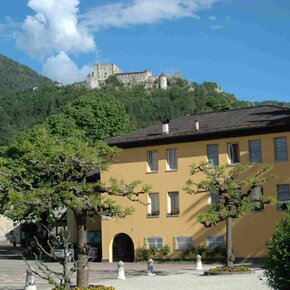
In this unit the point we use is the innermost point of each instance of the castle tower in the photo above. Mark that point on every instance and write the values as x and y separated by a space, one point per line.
163 81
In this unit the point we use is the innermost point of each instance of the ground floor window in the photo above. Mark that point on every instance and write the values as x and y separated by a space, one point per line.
183 243
215 242
155 242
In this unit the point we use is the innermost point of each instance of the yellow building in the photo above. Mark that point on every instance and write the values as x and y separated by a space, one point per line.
161 155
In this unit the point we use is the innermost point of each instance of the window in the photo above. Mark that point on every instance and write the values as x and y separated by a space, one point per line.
171 155
214 242
255 150
233 153
281 150
256 197
173 203
153 207
213 198
183 243
152 161
155 242
283 196
213 155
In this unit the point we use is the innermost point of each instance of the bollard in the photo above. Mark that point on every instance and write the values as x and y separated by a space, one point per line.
150 271
198 262
29 282
121 271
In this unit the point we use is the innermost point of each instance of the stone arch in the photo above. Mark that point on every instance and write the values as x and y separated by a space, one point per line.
123 248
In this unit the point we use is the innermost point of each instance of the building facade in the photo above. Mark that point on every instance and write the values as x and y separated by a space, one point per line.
161 156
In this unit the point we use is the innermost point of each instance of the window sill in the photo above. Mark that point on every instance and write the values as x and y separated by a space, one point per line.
151 172
281 161
172 215
233 164
171 170
152 216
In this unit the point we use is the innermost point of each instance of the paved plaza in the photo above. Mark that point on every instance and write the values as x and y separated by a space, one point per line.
177 276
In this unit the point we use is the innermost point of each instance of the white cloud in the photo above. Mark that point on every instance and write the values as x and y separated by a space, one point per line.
136 12
61 68
212 18
54 28
216 27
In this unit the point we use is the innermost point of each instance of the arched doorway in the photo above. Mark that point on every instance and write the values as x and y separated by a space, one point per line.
123 248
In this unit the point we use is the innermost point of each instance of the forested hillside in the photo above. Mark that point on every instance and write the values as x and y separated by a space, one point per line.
24 109
15 77
145 107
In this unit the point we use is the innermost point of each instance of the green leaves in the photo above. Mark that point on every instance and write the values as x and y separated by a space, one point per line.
232 188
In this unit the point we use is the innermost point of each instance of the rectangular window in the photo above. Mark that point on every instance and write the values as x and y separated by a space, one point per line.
173 203
233 153
214 242
183 243
171 155
152 161
155 242
213 198
153 207
283 196
212 155
256 197
281 150
255 150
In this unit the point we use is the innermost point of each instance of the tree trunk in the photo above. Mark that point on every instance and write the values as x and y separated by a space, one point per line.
82 250
229 243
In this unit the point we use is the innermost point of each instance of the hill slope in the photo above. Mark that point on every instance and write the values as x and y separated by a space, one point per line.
15 77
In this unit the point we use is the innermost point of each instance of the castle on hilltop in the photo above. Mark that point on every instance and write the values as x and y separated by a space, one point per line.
101 72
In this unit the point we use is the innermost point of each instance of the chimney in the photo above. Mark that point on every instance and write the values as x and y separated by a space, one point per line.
165 127
196 125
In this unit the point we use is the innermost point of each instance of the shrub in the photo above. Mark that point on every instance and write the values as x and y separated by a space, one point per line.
199 250
142 254
277 260
218 251
153 250
165 250
97 287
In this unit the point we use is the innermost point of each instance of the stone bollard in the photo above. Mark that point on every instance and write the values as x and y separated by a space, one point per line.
198 263
121 271
29 282
150 269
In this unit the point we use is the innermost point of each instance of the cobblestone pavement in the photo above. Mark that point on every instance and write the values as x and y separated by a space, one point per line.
177 276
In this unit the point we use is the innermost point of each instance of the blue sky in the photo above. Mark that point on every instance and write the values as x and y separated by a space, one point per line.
243 45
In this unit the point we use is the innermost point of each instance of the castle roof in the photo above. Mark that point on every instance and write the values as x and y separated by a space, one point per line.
214 125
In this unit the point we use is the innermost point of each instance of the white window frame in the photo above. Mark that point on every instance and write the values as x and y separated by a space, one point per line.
283 202
214 242
172 165
285 156
231 153
152 161
172 211
211 161
183 242
251 156
154 211
156 242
